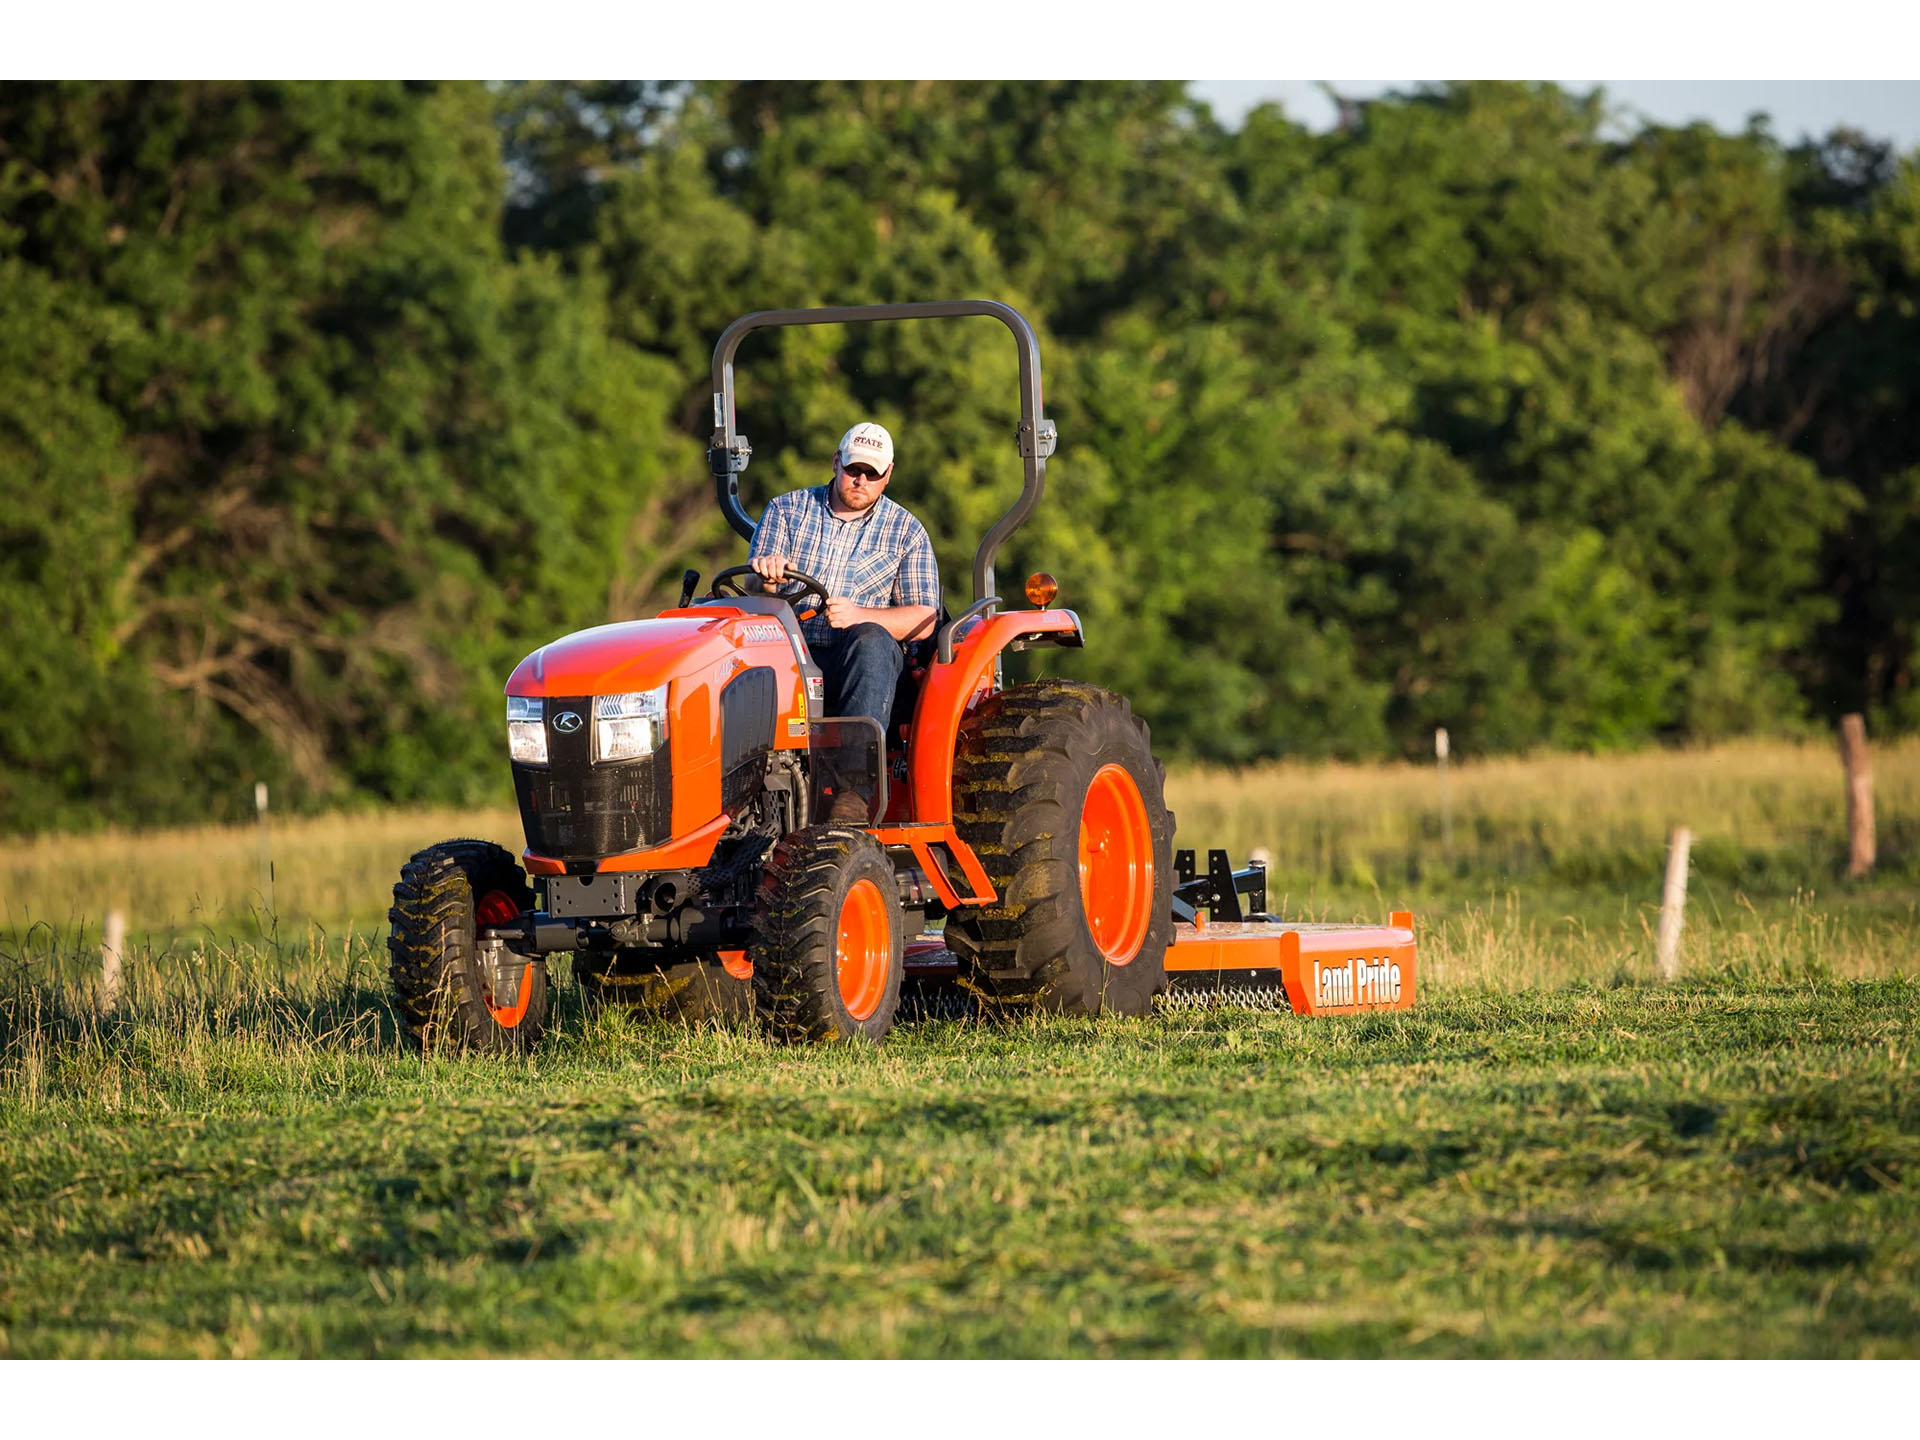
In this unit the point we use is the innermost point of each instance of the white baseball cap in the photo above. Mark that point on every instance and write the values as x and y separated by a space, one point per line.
867 444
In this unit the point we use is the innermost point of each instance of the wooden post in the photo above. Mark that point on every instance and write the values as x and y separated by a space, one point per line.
1673 902
112 944
1853 758
266 845
1441 746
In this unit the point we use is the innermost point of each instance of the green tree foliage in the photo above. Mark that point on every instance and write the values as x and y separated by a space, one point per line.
296 460
320 405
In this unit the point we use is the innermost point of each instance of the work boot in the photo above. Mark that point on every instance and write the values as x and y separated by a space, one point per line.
849 807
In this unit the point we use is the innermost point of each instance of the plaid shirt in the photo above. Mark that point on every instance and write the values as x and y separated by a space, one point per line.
882 559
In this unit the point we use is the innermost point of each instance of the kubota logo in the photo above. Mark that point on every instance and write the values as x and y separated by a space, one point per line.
566 722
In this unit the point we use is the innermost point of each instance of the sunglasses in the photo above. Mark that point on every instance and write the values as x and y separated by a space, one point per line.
860 472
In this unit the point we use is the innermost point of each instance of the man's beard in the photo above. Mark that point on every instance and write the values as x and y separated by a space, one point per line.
848 501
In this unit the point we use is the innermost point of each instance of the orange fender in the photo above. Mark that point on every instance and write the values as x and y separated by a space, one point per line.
953 689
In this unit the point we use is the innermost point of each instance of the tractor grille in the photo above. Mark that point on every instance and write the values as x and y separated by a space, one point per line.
749 707
573 809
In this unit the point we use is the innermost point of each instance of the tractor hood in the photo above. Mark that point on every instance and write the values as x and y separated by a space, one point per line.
611 659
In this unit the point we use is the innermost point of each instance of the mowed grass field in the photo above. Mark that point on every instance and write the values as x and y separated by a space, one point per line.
1554 1154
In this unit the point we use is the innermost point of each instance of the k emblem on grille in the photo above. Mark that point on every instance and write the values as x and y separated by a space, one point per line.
566 722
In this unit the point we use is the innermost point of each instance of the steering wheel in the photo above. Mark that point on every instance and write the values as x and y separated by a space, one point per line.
799 589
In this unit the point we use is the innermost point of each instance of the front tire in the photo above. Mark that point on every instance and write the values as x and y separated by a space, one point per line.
440 988
1057 790
828 951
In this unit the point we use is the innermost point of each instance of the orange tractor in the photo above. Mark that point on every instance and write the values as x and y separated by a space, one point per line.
671 775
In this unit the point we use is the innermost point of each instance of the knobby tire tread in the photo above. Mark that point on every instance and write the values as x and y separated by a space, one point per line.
430 946
796 935
1026 756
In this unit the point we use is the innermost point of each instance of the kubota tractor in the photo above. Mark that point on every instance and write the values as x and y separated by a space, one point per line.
670 774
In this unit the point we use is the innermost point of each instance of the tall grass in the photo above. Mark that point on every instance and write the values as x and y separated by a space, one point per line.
192 1012
1573 836
315 1001
1764 814
204 881
1509 945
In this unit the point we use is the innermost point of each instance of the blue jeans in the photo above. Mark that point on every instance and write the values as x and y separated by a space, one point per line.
862 665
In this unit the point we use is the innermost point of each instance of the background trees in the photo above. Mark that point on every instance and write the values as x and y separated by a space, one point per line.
319 405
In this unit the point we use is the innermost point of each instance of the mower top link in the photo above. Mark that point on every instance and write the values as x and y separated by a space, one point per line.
672 775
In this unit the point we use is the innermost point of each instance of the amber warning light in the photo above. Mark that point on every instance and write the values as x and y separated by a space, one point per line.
1041 588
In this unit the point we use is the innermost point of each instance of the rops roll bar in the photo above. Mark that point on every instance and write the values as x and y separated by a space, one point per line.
728 451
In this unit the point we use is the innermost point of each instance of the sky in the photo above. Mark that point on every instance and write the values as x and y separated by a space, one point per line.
1019 38
1884 109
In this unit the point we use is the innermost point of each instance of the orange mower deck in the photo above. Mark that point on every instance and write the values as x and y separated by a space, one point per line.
1321 969
1317 969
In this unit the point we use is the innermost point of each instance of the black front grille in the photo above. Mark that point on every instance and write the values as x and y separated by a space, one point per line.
573 809
749 706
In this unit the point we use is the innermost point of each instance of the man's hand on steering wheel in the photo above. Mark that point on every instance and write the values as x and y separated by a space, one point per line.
800 592
770 567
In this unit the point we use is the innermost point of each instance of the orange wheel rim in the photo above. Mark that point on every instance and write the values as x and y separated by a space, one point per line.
864 952
1116 864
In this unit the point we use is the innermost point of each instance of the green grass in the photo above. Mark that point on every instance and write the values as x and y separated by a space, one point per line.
1723 1167
1554 1154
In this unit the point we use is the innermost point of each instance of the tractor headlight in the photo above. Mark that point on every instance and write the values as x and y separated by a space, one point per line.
526 730
627 727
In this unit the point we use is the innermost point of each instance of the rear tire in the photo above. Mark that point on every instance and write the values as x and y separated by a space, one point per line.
1057 790
438 986
828 953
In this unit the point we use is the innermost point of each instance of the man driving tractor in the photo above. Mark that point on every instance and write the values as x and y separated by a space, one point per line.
878 566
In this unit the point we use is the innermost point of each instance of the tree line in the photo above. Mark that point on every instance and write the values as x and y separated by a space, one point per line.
321 404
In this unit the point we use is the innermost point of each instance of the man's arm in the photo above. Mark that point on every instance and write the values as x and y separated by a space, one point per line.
903 622
916 596
771 553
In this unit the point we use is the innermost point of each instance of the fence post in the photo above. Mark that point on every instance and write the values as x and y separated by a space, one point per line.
1441 746
266 844
1854 760
1673 902
113 941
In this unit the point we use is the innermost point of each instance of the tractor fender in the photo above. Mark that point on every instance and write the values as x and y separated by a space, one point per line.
952 688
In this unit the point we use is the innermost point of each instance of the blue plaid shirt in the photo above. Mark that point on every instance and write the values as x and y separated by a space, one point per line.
883 558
